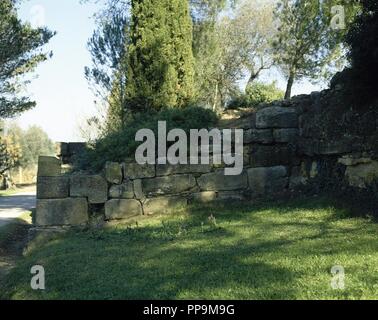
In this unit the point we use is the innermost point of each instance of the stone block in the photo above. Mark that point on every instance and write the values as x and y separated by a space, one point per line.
277 117
116 209
362 175
231 196
138 190
204 197
169 184
161 205
266 181
122 191
286 135
264 136
218 181
52 187
138 171
113 172
94 187
49 166
270 156
168 169
61 212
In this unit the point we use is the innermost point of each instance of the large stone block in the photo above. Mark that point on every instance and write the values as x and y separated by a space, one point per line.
113 172
277 117
258 136
168 169
204 197
52 187
94 187
286 135
169 184
218 181
270 156
61 212
138 171
122 209
123 191
49 166
265 181
138 190
161 205
362 175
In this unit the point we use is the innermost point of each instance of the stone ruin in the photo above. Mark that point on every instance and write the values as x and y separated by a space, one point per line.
285 151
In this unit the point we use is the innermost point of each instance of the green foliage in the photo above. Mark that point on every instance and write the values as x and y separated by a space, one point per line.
306 45
33 142
20 53
120 145
10 154
363 42
160 65
257 93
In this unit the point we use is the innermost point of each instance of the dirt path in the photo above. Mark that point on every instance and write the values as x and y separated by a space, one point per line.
14 238
11 207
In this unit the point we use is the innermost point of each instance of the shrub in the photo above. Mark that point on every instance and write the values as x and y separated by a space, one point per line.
119 145
263 93
255 94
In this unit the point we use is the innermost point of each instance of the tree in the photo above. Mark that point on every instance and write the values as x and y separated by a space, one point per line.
108 74
160 64
239 46
363 43
20 53
306 45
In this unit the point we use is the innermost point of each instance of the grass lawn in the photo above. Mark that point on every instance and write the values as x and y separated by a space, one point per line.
281 250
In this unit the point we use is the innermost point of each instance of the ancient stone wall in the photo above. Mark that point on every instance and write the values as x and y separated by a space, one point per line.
288 146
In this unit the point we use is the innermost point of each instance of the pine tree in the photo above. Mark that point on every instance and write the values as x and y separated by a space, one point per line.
161 63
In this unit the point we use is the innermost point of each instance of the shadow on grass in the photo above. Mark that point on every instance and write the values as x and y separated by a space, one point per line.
260 251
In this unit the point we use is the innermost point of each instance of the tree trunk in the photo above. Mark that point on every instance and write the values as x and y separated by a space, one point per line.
290 83
215 98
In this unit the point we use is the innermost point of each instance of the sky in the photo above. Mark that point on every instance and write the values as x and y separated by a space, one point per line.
63 97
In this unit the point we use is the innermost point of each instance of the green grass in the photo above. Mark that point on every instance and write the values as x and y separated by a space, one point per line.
8 192
276 250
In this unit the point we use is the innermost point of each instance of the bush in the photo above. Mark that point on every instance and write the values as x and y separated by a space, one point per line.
257 93
118 146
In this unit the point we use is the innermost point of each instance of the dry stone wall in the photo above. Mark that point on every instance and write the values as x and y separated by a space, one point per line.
285 150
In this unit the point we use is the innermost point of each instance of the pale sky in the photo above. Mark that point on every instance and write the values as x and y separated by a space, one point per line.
61 91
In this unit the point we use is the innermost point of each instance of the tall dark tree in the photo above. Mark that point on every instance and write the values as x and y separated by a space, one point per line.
161 64
20 52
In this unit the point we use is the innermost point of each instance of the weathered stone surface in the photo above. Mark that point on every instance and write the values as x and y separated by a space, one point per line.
94 187
298 177
121 209
204 197
168 169
137 171
258 136
362 175
49 166
113 172
276 117
169 184
270 156
335 147
350 160
230 195
52 187
285 135
138 190
265 181
161 205
61 148
218 181
59 212
123 191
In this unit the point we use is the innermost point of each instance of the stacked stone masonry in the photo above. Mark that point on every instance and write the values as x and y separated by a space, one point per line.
280 155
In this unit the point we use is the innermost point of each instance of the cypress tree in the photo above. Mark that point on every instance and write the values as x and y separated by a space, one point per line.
161 63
